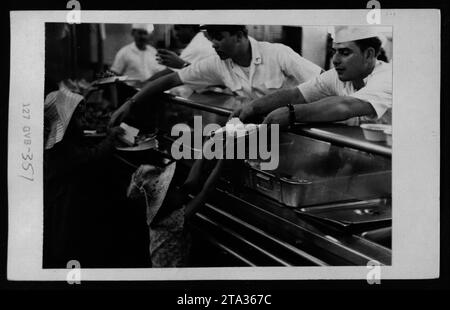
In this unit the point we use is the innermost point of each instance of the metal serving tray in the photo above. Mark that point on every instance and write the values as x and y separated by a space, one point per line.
376 211
314 172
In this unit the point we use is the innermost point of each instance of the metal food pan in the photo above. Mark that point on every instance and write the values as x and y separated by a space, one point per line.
313 172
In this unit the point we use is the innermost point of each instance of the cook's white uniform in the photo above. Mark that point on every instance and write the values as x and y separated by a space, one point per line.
377 91
135 63
273 66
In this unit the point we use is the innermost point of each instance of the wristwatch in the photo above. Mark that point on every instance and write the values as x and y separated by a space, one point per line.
291 115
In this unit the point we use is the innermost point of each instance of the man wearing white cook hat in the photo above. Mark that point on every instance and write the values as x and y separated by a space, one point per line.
358 88
137 60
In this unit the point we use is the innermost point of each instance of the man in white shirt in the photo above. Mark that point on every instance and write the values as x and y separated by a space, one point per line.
358 88
137 60
197 47
247 67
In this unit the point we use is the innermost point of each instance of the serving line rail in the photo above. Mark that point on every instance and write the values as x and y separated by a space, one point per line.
345 136
323 244
349 136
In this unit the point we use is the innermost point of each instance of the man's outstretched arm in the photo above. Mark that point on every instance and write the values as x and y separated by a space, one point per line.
269 103
150 89
329 109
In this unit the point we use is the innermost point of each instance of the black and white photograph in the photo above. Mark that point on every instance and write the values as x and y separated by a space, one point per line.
115 197
209 145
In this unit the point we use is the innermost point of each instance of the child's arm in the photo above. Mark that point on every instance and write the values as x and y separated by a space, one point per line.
209 186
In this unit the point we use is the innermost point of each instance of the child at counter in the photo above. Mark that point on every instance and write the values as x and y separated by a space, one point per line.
169 207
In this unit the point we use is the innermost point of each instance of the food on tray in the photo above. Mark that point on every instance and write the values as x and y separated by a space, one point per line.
134 142
130 134
144 138
142 142
234 127
235 121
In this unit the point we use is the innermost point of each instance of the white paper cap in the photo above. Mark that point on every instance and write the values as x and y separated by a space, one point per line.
148 27
353 33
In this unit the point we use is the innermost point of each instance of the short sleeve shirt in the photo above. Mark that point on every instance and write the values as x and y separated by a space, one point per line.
273 66
377 91
135 63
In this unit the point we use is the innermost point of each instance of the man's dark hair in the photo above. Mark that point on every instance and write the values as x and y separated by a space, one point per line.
213 31
195 28
382 55
373 42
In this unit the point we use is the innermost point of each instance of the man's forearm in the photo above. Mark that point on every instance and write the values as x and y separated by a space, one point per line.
330 109
157 86
278 99
159 74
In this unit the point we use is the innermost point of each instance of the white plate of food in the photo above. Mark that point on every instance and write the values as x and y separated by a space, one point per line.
142 143
375 132
234 128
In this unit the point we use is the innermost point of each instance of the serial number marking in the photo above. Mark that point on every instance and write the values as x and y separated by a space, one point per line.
229 299
26 112
27 155
245 299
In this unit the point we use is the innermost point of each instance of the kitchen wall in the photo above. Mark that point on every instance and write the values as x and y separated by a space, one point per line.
388 44
270 33
314 43
311 45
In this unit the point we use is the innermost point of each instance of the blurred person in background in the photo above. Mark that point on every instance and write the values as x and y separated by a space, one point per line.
197 47
137 60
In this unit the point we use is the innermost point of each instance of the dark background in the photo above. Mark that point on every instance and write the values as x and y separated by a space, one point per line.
282 291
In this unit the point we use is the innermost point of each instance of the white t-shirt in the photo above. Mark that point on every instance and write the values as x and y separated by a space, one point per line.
246 71
273 66
135 63
377 91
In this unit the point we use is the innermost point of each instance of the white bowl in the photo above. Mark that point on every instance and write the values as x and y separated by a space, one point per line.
388 133
375 132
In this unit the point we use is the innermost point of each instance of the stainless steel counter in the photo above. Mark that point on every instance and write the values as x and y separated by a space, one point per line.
216 103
